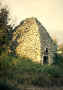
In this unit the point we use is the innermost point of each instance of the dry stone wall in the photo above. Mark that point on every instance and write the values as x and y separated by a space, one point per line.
30 39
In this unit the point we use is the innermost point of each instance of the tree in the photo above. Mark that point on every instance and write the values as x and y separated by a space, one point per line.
5 29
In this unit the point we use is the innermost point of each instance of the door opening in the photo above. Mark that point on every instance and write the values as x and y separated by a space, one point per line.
45 57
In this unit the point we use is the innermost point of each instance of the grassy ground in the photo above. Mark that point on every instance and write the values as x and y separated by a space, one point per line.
17 71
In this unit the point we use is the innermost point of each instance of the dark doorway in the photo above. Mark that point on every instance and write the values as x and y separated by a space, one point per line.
45 57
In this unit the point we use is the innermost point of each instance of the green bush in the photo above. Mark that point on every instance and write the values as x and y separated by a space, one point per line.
24 71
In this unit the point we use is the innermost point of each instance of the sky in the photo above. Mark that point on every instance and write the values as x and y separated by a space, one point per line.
48 12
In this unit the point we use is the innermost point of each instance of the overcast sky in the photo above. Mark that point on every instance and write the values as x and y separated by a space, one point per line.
48 12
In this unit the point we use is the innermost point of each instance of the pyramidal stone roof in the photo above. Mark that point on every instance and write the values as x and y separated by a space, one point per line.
30 40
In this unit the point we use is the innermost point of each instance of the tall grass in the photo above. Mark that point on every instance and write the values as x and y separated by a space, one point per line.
24 71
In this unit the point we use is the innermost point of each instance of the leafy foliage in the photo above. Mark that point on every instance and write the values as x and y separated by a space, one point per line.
24 71
5 30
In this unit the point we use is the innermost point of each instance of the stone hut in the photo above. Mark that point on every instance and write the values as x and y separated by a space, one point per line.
31 40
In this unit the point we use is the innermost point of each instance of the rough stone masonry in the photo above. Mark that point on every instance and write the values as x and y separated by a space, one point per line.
31 40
